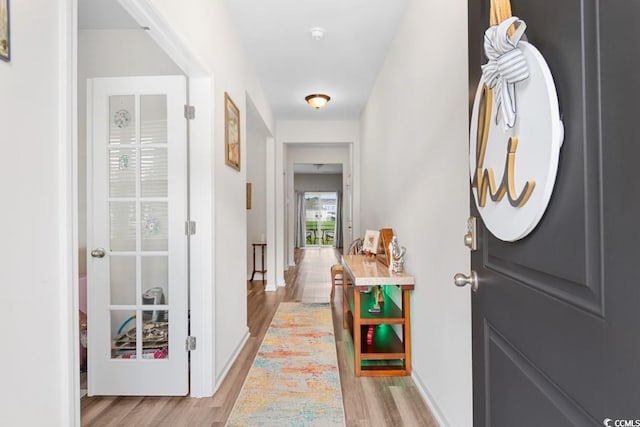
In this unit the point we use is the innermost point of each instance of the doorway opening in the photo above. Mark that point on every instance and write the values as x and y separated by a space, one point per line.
320 218
149 53
317 214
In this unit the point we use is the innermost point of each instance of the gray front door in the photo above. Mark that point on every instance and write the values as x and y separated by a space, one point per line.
556 331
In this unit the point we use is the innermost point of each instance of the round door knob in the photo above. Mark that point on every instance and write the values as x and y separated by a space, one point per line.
463 280
98 253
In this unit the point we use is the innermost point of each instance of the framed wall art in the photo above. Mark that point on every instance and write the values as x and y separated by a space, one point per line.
248 195
5 39
231 133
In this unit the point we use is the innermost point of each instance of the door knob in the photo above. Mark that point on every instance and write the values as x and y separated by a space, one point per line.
463 280
98 253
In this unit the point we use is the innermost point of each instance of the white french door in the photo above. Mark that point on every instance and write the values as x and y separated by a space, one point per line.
136 213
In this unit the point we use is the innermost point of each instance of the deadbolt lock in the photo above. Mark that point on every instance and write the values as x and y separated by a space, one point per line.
470 239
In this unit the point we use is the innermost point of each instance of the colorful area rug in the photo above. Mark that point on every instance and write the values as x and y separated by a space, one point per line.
294 380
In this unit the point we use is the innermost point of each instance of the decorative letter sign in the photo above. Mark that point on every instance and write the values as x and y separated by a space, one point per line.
516 134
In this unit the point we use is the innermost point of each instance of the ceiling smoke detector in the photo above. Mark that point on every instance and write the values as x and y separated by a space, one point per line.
317 33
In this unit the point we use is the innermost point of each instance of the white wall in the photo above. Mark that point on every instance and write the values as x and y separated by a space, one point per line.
317 182
36 223
415 129
312 142
257 176
110 53
205 27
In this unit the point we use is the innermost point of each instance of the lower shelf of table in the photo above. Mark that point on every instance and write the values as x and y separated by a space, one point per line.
383 368
384 356
377 370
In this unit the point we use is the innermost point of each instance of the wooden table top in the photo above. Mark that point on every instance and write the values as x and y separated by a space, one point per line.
367 271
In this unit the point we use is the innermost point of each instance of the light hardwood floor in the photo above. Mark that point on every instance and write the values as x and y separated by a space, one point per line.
368 401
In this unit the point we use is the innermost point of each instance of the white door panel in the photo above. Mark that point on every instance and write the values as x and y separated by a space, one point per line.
137 207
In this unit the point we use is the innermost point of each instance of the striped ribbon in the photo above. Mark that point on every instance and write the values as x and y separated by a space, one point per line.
506 66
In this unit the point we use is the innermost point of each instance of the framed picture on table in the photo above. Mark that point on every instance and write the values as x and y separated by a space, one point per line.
371 241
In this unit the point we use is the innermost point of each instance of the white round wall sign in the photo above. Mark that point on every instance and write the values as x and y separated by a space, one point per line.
513 170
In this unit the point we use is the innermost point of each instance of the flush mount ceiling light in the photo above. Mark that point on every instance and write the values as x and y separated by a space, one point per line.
317 100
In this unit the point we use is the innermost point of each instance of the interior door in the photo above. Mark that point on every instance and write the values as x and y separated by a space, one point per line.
555 317
137 207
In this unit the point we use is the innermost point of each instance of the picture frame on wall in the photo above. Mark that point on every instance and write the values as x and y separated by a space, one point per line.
5 31
231 133
248 195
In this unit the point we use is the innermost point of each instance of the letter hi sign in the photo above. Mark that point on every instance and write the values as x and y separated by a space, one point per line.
524 156
484 180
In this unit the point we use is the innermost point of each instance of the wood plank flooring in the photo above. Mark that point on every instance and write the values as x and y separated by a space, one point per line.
368 401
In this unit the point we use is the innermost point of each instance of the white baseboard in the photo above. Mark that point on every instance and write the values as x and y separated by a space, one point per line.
429 400
232 359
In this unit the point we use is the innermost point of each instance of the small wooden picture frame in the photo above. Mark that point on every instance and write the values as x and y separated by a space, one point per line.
248 195
386 234
231 133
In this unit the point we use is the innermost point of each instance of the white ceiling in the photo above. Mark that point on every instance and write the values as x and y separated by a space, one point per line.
289 63
103 15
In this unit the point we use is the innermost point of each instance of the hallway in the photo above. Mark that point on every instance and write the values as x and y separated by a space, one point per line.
314 268
368 401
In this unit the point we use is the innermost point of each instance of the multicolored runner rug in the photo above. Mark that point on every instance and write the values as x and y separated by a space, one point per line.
294 380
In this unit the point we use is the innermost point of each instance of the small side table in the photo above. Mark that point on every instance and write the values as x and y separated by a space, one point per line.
262 247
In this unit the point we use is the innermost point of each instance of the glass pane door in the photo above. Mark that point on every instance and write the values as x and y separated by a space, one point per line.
138 213
321 208
138 290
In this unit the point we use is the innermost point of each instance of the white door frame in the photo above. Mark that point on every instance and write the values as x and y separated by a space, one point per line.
348 211
202 254
68 213
202 250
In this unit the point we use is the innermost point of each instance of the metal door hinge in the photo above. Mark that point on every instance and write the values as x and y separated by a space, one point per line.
190 344
189 112
190 228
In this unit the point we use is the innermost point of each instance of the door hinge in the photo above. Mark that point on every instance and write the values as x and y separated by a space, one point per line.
190 344
189 228
189 112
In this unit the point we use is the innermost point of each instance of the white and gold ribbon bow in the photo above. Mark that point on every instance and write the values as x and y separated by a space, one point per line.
506 66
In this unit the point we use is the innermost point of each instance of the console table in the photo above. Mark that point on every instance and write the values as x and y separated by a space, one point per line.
382 351
262 270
